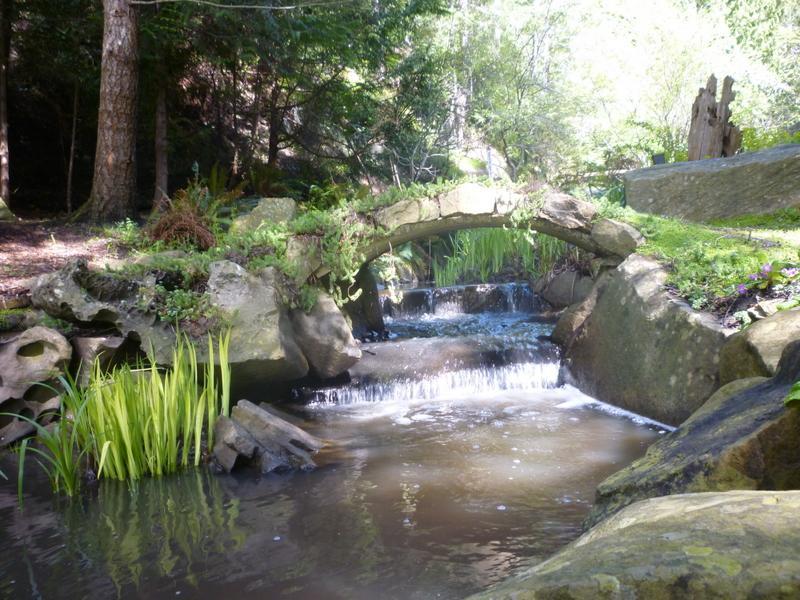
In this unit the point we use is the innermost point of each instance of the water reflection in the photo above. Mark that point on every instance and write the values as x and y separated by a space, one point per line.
434 486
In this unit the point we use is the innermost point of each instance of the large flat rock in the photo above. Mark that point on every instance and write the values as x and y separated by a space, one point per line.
731 545
718 188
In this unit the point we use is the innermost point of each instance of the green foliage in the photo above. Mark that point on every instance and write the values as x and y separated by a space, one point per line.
134 422
147 422
192 218
127 233
181 305
785 219
58 451
705 263
754 139
792 399
479 254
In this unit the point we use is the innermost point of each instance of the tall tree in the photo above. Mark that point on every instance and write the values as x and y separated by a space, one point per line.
114 182
5 54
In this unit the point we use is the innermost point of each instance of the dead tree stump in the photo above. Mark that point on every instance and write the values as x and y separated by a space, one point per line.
711 135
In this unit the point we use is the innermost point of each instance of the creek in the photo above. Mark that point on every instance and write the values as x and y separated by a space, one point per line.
455 461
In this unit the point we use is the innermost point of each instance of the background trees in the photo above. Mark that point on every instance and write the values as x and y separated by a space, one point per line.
368 92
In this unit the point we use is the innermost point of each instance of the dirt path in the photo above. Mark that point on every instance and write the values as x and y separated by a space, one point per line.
30 248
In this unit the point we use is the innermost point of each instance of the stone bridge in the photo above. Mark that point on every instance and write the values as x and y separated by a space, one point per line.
471 206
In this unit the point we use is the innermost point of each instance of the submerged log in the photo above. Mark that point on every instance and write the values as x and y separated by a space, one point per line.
262 438
711 135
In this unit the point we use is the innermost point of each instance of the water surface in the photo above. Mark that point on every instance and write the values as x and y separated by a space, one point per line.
435 485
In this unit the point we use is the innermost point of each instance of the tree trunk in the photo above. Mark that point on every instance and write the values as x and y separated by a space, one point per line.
5 53
72 144
114 182
162 166
275 124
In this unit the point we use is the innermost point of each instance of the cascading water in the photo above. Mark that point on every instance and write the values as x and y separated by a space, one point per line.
503 338
454 462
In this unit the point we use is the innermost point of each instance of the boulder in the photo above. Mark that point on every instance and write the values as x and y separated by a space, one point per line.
269 211
256 436
732 545
568 212
564 288
643 350
16 429
263 345
304 253
573 318
325 338
406 212
232 443
88 350
757 350
77 294
365 312
742 438
616 237
718 188
36 355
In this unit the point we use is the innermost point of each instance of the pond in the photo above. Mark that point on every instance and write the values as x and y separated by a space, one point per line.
436 484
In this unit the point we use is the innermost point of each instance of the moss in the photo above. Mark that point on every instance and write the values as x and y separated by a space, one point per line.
706 263
11 318
782 220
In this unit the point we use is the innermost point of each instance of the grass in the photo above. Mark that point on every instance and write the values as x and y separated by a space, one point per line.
134 422
151 422
782 220
706 262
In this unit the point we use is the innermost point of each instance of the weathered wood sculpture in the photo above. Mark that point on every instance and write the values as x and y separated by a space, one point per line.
711 135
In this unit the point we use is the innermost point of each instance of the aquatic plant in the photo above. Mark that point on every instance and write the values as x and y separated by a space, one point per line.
60 453
479 253
133 422
146 421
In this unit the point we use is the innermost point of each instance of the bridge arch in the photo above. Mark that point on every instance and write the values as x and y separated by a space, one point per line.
472 205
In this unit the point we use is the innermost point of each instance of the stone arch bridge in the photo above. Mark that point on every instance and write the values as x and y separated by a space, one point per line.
473 205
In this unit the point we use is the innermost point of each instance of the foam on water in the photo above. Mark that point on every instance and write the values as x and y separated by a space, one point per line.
453 384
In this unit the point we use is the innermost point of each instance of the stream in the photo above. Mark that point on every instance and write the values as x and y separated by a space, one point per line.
455 461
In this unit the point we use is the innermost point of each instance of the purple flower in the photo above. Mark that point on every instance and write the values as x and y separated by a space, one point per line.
752 276
767 268
742 289
790 272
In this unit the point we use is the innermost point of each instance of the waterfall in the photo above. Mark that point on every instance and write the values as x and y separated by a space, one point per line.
520 376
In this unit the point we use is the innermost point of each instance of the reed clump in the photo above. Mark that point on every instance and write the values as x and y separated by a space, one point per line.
135 421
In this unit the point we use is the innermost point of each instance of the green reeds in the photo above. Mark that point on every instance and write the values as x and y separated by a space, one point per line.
153 420
133 422
59 452
480 253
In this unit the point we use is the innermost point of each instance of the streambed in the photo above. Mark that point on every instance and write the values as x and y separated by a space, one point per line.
438 483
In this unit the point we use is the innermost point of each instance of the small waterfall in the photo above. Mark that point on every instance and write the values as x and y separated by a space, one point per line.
521 376
462 299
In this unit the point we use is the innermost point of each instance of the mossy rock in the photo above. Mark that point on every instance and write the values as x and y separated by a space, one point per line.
742 438
694 546
757 350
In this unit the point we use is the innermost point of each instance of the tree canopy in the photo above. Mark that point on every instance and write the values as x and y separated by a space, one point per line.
290 97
